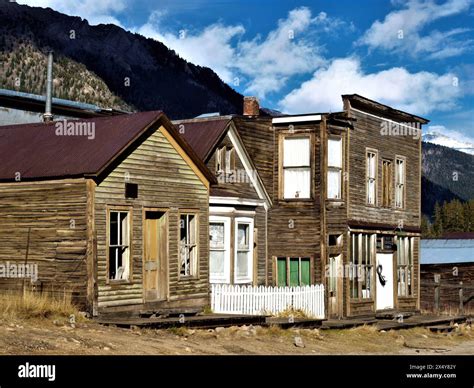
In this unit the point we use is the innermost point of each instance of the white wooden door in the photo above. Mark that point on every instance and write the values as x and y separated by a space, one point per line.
384 281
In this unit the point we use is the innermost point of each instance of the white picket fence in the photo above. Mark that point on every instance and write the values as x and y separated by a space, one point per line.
250 300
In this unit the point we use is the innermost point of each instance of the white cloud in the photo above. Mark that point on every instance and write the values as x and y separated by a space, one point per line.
95 11
212 47
282 54
401 30
262 64
417 93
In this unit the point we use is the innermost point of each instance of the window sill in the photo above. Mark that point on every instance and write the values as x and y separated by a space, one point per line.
246 282
112 282
295 200
187 278
364 300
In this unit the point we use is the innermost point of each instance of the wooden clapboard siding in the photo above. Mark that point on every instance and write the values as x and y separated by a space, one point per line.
239 185
450 277
295 225
165 181
367 134
55 212
244 190
258 137
262 260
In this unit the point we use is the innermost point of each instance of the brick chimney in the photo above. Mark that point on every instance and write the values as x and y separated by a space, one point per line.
251 106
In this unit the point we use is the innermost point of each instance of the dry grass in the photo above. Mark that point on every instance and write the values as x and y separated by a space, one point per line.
36 305
292 313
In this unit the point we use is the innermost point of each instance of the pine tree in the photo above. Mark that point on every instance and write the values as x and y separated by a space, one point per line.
426 227
438 220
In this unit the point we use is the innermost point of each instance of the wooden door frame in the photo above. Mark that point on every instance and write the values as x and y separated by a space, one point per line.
394 280
165 212
339 312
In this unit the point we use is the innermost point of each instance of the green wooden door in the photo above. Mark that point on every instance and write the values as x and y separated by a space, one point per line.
305 272
281 263
294 272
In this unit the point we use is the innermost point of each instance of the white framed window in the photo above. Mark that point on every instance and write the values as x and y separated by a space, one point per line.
188 249
297 167
371 173
334 168
119 245
243 260
219 262
400 182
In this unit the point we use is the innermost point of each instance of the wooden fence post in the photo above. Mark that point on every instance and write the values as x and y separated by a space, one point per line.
437 280
461 300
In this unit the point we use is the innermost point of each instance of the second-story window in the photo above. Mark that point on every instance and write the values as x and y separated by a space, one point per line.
400 183
296 168
335 168
371 177
225 159
386 183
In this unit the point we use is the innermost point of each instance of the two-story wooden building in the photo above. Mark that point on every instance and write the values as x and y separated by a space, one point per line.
238 203
344 201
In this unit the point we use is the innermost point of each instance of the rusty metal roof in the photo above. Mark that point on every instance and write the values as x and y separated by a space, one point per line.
39 151
203 134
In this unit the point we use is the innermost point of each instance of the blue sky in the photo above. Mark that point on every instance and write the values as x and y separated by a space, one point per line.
300 56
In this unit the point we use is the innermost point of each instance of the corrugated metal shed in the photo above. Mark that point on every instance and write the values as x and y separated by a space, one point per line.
445 251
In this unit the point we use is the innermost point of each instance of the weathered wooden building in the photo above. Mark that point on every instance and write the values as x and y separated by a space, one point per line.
344 197
447 274
238 203
113 210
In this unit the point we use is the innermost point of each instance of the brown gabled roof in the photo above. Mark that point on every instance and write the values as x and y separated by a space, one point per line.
203 134
35 151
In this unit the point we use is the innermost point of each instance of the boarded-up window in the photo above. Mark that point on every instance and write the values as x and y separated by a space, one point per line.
188 244
405 266
335 168
386 183
400 183
361 267
119 245
293 271
371 177
333 273
225 159
296 167
243 250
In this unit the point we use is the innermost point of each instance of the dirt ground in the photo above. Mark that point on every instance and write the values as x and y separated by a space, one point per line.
56 337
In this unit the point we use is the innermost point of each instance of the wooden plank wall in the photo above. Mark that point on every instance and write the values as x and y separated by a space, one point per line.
295 226
164 181
243 189
366 133
449 293
258 137
55 211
